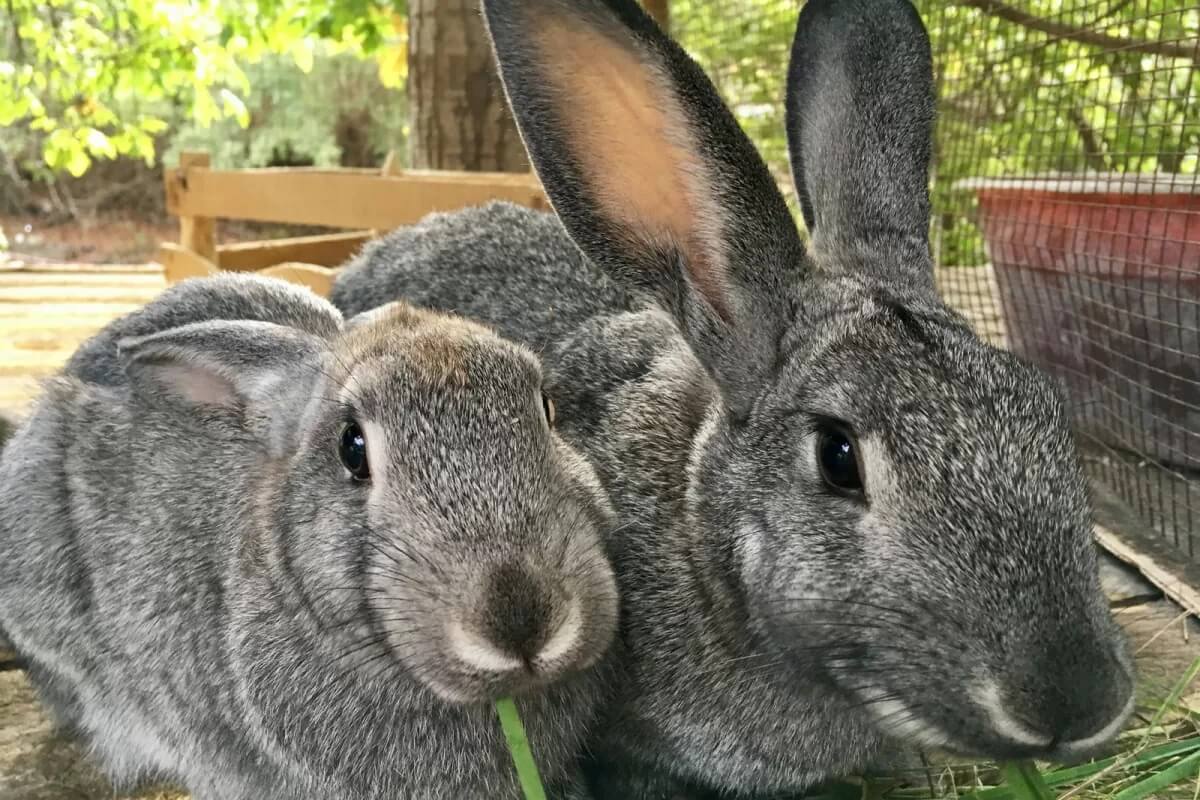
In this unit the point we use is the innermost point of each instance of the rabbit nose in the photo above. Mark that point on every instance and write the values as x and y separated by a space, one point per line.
518 612
1087 697
1069 701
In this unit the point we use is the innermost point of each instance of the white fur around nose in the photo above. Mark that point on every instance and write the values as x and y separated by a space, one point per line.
988 698
477 652
897 719
566 637
1104 734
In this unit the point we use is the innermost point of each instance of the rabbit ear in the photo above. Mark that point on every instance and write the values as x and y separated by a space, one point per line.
223 364
651 174
860 111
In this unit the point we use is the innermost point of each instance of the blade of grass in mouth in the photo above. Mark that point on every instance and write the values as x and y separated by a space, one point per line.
518 746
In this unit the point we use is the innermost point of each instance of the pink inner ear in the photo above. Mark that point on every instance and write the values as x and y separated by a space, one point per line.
629 135
198 385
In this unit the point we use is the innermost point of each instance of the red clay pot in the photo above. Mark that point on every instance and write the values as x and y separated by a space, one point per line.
1099 279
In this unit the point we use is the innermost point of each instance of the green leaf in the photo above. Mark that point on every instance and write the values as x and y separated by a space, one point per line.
518 745
1025 780
97 142
233 106
302 52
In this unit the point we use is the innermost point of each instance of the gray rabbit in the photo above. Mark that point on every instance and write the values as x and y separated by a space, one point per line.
846 523
287 557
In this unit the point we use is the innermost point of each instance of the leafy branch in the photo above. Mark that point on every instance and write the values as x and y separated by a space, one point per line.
1083 35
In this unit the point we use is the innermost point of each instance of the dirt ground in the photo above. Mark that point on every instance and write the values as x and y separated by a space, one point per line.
117 239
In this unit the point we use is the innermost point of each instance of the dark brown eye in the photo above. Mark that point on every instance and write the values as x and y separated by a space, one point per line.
548 409
352 450
838 458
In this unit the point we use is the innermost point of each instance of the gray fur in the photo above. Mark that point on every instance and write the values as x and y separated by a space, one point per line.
774 632
569 288
205 595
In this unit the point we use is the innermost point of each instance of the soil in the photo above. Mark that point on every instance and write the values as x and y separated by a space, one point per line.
117 239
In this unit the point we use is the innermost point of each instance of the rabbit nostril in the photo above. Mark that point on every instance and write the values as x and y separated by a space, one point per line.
517 612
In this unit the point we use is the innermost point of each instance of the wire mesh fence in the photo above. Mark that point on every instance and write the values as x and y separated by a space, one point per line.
1067 205
1067 221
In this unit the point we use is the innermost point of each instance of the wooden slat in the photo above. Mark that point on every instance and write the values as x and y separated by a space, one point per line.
145 280
84 294
38 364
340 200
15 267
1159 571
329 250
314 276
197 232
180 263
71 309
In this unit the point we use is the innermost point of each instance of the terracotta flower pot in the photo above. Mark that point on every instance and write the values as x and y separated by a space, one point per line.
1099 279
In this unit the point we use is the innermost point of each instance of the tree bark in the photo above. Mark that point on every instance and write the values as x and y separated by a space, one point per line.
460 118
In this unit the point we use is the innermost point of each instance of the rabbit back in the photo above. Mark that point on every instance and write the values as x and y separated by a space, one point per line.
116 580
507 265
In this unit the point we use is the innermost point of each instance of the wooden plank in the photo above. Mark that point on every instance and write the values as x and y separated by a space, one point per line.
77 294
1165 575
197 232
38 364
341 200
74 268
179 263
38 763
16 393
65 308
1123 534
1123 584
328 250
143 280
315 277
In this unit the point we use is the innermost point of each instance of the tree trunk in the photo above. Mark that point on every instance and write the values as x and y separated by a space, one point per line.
460 119
661 11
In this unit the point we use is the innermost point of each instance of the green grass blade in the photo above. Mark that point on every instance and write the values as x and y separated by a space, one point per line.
1025 781
518 745
1128 762
1176 692
1181 770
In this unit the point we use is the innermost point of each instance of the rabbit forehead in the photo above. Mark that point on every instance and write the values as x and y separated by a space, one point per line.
445 356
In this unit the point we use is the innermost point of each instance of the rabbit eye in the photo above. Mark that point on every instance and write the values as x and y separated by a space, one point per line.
352 450
838 458
548 409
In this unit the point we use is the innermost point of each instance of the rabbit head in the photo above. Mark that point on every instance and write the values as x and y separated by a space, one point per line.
899 507
413 495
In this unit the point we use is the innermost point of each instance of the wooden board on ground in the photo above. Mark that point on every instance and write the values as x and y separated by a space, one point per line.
48 310
38 764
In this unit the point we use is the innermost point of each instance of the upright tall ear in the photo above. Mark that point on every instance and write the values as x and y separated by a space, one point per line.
263 371
652 176
860 112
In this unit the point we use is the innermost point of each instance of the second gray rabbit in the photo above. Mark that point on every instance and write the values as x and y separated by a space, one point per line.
845 520
285 557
